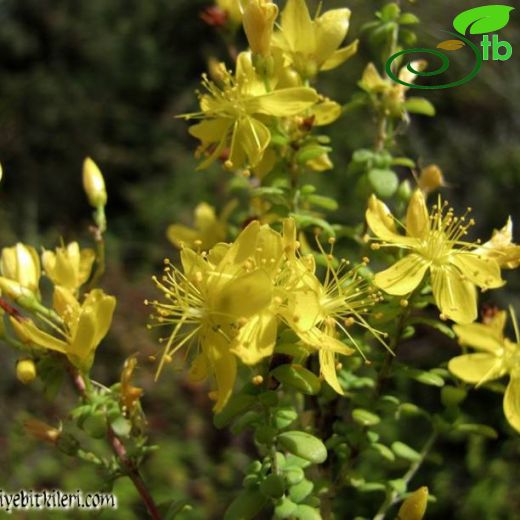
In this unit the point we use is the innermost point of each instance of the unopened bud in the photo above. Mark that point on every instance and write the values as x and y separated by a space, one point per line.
41 431
414 506
431 178
258 18
26 371
94 184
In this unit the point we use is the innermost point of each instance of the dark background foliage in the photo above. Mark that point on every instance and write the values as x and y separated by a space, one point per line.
105 78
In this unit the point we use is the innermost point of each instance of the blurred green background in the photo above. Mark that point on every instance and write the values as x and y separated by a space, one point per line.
105 78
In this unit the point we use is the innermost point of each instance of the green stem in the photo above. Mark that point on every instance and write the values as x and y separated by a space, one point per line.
393 496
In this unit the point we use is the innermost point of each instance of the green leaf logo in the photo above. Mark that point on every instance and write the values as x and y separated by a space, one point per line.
482 20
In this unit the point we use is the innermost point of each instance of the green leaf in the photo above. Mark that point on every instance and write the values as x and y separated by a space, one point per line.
299 492
404 451
284 417
403 161
321 201
435 324
482 20
121 426
273 486
293 475
305 512
246 505
298 377
452 396
408 19
285 508
384 182
369 487
177 508
311 151
304 445
306 221
428 378
419 105
390 12
477 429
236 405
364 417
384 451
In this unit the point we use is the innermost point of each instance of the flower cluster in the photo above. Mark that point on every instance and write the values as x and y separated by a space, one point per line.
230 302
268 93
75 325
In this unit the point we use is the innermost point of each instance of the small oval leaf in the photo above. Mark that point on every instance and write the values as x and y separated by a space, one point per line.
298 377
451 45
304 445
482 20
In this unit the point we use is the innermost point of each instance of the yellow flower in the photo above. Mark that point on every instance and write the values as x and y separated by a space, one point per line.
313 45
21 264
237 113
501 247
258 18
69 266
496 357
82 329
433 243
430 179
222 303
318 312
208 231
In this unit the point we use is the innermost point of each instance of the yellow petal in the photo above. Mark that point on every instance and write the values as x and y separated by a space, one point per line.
326 112
318 340
340 56
330 30
284 102
404 276
181 236
328 370
83 341
244 296
224 367
512 402
211 130
250 139
65 304
371 80
86 260
297 27
28 331
480 337
199 369
482 271
256 339
382 223
476 368
417 219
455 297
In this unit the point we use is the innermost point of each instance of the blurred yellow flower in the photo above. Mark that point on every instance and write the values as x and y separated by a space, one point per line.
26 371
318 312
434 243
501 247
236 114
313 45
209 230
258 18
21 264
82 329
222 303
496 357
130 394
41 431
69 266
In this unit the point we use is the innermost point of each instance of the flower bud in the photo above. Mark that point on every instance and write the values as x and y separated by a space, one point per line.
94 184
21 264
26 371
258 18
414 506
431 178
